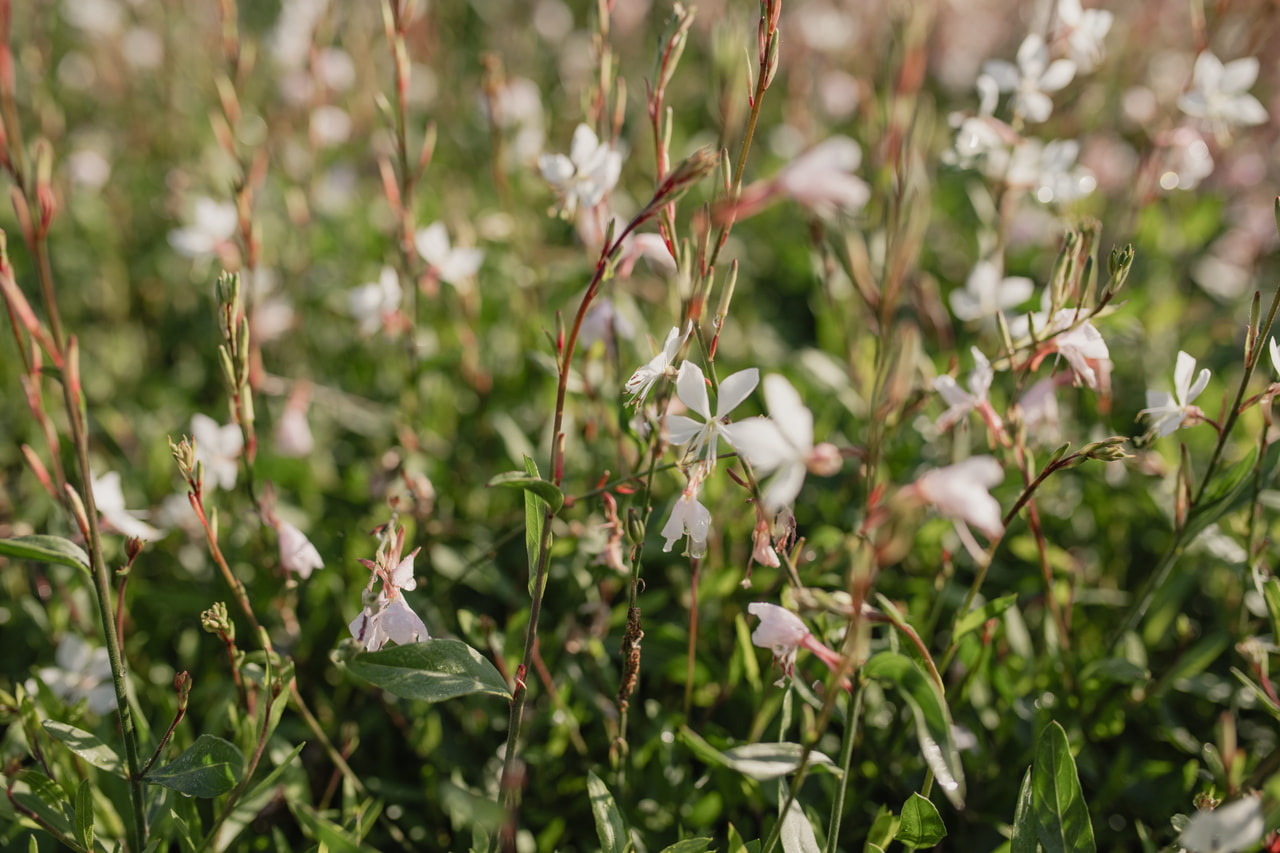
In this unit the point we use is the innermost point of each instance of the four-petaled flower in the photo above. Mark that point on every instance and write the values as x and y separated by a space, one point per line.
962 492
1220 93
1084 29
961 402
217 447
586 175
1170 411
689 516
297 555
691 387
452 266
783 633
987 292
642 380
1081 345
387 616
374 304
783 443
109 498
1033 79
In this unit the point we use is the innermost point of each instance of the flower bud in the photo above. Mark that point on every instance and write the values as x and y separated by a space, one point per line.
825 460
635 527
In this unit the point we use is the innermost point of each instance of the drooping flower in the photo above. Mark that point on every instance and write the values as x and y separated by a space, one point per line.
782 444
688 516
780 631
1081 345
297 555
961 402
1226 829
586 175
387 616
81 672
987 292
212 224
218 447
642 380
1170 411
374 305
109 498
293 433
962 491
1220 93
702 437
452 266
1033 79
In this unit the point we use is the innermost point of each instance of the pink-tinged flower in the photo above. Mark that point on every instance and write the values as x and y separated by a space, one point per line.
293 432
212 224
386 616
962 492
820 179
1039 410
782 444
961 402
784 633
82 672
691 387
762 551
642 380
452 266
219 448
1033 79
586 175
1081 345
636 245
1170 411
1220 93
987 292
604 322
109 498
1226 829
376 304
688 516
297 555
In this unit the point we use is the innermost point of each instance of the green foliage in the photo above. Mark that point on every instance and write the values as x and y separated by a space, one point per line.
432 670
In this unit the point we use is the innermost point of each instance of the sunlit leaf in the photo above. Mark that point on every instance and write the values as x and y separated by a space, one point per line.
46 549
87 746
1062 818
209 767
432 670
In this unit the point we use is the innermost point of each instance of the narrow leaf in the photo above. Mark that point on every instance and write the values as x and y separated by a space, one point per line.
797 833
1271 594
46 549
337 839
883 828
84 814
37 793
975 619
1062 818
609 825
432 670
86 746
248 806
1024 820
534 521
530 482
757 760
689 845
209 767
921 825
933 720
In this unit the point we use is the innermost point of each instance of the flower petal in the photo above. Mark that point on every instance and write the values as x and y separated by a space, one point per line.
734 389
691 388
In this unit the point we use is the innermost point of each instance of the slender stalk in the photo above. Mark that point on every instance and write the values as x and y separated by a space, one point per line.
853 714
693 636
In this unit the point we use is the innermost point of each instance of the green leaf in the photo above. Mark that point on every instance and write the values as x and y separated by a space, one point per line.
759 761
84 814
1271 594
1024 820
1120 670
432 670
46 549
530 481
737 845
689 845
883 828
933 720
209 767
37 793
975 619
1229 490
1259 693
609 825
1062 818
248 806
337 839
86 746
921 825
797 833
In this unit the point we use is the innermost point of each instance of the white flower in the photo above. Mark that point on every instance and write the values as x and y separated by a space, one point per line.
212 223
1226 829
986 292
1080 346
1220 93
82 672
372 304
783 443
1186 160
109 498
293 433
1170 411
1275 356
689 516
297 555
1085 29
453 266
780 631
643 379
384 620
218 447
961 491
1039 407
1033 79
822 178
586 175
962 402
1049 171
702 437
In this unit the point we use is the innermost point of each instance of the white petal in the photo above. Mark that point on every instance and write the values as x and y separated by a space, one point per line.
584 146
681 429
691 388
433 243
1186 365
952 394
784 487
1226 829
402 577
1201 381
761 442
556 169
1057 75
1004 74
1246 110
788 411
778 628
1275 356
734 389
1239 75
401 624
1207 75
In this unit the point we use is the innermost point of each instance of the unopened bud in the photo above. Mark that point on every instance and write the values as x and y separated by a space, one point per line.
182 684
825 460
1118 265
77 509
132 548
726 293
671 44
635 527
216 621
692 169
45 197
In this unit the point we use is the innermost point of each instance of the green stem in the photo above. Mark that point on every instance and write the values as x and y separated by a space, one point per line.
852 715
